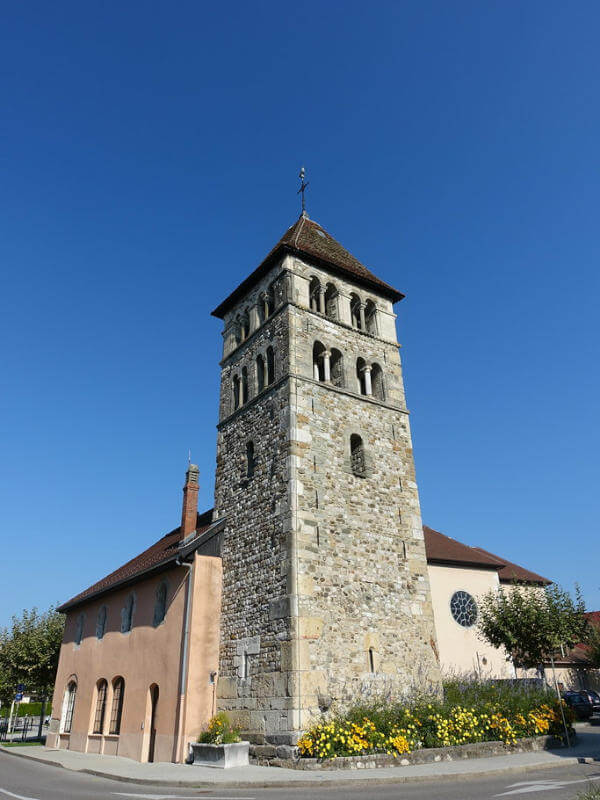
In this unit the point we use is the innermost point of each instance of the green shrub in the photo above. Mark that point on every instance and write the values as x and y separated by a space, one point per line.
27 710
469 711
220 731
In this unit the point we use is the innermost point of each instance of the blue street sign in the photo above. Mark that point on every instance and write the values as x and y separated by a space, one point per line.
18 697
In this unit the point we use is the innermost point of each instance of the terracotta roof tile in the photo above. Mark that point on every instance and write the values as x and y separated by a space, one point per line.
164 550
513 572
440 547
307 237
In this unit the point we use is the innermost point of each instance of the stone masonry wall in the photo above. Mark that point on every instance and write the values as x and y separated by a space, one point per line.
326 592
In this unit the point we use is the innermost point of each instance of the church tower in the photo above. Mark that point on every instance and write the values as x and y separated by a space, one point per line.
325 588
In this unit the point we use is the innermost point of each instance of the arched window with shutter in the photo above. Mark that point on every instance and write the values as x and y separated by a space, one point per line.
68 709
160 604
101 692
116 711
127 614
101 622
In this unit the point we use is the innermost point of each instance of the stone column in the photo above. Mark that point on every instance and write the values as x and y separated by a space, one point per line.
367 373
254 318
316 371
363 323
327 366
321 299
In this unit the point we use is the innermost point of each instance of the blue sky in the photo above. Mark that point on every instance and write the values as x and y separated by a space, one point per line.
149 158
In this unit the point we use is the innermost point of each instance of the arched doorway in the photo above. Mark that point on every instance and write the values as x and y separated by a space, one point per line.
153 710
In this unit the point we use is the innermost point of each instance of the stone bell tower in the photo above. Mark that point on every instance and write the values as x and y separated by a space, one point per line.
325 587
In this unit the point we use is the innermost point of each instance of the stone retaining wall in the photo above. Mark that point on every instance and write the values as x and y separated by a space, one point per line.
288 756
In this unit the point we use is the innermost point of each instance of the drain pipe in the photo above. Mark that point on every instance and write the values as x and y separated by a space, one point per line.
184 657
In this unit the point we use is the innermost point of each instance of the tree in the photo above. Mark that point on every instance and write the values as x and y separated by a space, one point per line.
533 625
594 646
29 651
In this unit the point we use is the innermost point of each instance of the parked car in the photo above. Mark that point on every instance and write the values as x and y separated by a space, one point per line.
581 704
594 699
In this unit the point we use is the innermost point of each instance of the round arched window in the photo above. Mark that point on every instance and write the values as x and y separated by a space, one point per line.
464 609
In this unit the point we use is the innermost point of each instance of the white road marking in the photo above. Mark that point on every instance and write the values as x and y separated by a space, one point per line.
18 796
543 786
164 796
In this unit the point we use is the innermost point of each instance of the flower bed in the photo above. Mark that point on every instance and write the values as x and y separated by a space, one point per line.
398 729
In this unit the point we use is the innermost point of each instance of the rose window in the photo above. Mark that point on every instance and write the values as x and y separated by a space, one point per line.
464 609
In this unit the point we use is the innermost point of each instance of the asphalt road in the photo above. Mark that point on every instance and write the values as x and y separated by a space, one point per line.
26 780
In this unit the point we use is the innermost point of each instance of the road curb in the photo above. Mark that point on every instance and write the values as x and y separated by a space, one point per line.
304 784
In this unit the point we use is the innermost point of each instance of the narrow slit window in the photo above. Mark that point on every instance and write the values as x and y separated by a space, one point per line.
357 455
250 462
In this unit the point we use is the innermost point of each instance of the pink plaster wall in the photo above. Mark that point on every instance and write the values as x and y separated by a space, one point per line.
144 656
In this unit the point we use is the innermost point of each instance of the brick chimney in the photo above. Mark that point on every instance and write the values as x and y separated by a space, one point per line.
189 512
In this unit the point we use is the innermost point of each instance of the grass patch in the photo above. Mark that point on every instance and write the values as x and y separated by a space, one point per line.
21 744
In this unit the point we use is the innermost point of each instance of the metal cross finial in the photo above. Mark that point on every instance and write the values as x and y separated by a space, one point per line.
189 457
302 189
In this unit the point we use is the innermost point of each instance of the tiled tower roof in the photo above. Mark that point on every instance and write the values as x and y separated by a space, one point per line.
307 238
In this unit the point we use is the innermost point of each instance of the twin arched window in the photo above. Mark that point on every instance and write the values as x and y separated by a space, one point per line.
328 365
369 379
363 315
265 376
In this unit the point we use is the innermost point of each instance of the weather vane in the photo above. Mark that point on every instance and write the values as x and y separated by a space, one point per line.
302 189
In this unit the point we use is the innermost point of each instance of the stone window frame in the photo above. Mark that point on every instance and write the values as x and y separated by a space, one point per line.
236 392
261 372
250 459
377 381
270 361
348 431
244 386
357 455
371 321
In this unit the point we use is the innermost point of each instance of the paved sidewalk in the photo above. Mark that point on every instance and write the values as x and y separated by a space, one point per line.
165 774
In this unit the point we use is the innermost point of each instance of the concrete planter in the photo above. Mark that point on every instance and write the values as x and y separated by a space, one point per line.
221 756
